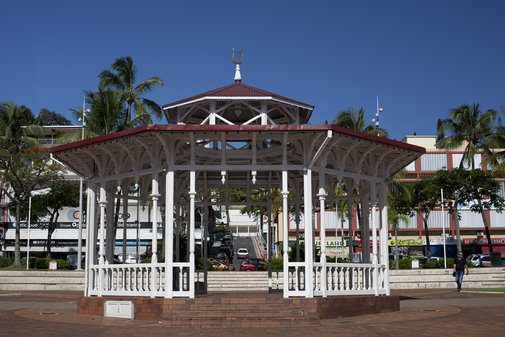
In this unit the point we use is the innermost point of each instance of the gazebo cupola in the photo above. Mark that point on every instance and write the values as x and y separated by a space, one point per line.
238 104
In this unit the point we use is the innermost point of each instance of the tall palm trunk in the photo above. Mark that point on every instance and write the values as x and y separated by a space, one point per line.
397 264
50 230
129 111
486 226
455 217
427 234
484 220
17 248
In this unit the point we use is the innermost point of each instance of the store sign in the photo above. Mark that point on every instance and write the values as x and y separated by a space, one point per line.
333 243
483 241
407 242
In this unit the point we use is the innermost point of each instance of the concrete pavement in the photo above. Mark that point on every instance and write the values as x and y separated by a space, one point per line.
432 312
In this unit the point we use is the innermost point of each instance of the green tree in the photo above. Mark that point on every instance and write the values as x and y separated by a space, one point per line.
350 119
464 187
22 172
123 78
62 193
420 197
48 117
470 127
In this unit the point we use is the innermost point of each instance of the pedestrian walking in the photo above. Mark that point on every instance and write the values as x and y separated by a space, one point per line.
459 269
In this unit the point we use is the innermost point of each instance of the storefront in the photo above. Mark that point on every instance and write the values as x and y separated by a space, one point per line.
480 245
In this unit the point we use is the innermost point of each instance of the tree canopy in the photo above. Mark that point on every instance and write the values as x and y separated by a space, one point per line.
48 117
123 79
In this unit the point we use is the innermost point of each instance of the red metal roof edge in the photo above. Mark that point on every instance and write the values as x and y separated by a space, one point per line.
236 128
215 92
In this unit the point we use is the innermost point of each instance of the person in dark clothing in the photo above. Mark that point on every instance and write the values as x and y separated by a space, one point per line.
459 269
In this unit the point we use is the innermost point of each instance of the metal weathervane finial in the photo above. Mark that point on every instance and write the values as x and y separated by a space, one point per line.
238 77
241 57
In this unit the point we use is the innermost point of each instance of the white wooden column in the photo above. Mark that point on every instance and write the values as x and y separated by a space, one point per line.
154 218
322 231
309 258
373 198
192 193
101 258
89 257
285 218
384 236
169 233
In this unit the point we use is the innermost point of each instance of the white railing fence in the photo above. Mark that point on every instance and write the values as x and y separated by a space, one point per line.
341 279
350 279
140 279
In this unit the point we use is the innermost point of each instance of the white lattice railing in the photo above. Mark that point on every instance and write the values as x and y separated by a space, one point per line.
140 279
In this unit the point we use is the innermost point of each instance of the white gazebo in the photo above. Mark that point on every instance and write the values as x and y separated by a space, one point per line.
234 137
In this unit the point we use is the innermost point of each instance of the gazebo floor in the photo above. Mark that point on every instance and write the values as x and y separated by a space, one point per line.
244 309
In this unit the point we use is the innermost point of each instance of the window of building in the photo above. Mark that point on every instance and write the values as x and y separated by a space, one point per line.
433 161
438 219
411 167
456 160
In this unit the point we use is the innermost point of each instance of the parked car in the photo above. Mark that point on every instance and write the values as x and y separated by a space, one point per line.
242 253
252 265
485 261
476 259
218 265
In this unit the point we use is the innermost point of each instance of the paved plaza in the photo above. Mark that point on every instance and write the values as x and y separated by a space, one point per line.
423 313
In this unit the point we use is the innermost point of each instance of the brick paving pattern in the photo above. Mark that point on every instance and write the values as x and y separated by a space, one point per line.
430 312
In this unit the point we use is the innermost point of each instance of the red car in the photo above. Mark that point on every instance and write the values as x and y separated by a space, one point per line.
252 265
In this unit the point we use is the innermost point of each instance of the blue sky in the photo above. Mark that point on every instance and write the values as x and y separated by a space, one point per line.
421 57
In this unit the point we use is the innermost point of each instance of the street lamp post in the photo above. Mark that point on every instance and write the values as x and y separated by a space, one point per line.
79 233
376 119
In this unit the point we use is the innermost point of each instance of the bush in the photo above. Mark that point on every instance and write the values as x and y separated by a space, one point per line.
63 264
405 263
450 263
146 260
199 264
32 262
277 264
431 264
43 263
392 264
5 262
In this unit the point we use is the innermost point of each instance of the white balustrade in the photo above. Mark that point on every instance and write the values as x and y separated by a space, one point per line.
342 279
138 279
349 278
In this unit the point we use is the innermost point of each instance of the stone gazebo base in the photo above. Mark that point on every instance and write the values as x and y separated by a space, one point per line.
238 309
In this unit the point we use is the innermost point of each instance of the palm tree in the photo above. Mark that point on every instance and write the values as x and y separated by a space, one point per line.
124 80
355 121
17 125
469 126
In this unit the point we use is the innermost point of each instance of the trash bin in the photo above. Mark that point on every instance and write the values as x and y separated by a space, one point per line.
496 259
